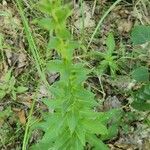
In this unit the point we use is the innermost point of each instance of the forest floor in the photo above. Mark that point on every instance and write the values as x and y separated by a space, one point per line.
24 86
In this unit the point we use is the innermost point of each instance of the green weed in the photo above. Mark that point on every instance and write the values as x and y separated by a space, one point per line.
7 86
141 97
107 58
73 122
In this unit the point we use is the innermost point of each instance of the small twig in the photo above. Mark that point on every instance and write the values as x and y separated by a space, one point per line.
94 5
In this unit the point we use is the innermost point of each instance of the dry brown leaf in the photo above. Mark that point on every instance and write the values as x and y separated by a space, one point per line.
52 77
25 99
3 68
19 60
13 58
21 115
111 102
146 144
124 25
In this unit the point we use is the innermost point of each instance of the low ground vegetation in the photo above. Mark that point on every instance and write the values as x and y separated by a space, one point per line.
74 75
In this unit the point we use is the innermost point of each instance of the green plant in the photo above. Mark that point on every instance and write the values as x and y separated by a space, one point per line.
8 81
6 113
3 131
140 74
141 97
140 37
7 86
73 122
108 59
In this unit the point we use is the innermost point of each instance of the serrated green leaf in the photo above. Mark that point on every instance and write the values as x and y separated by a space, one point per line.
63 33
140 34
63 15
140 74
55 66
46 23
53 43
63 139
79 74
41 146
112 132
45 6
51 122
110 115
77 145
48 6
72 120
81 134
95 127
53 103
90 114
73 45
97 143
58 91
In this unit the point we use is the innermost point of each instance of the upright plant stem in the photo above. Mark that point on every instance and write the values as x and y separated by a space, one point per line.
101 21
24 145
